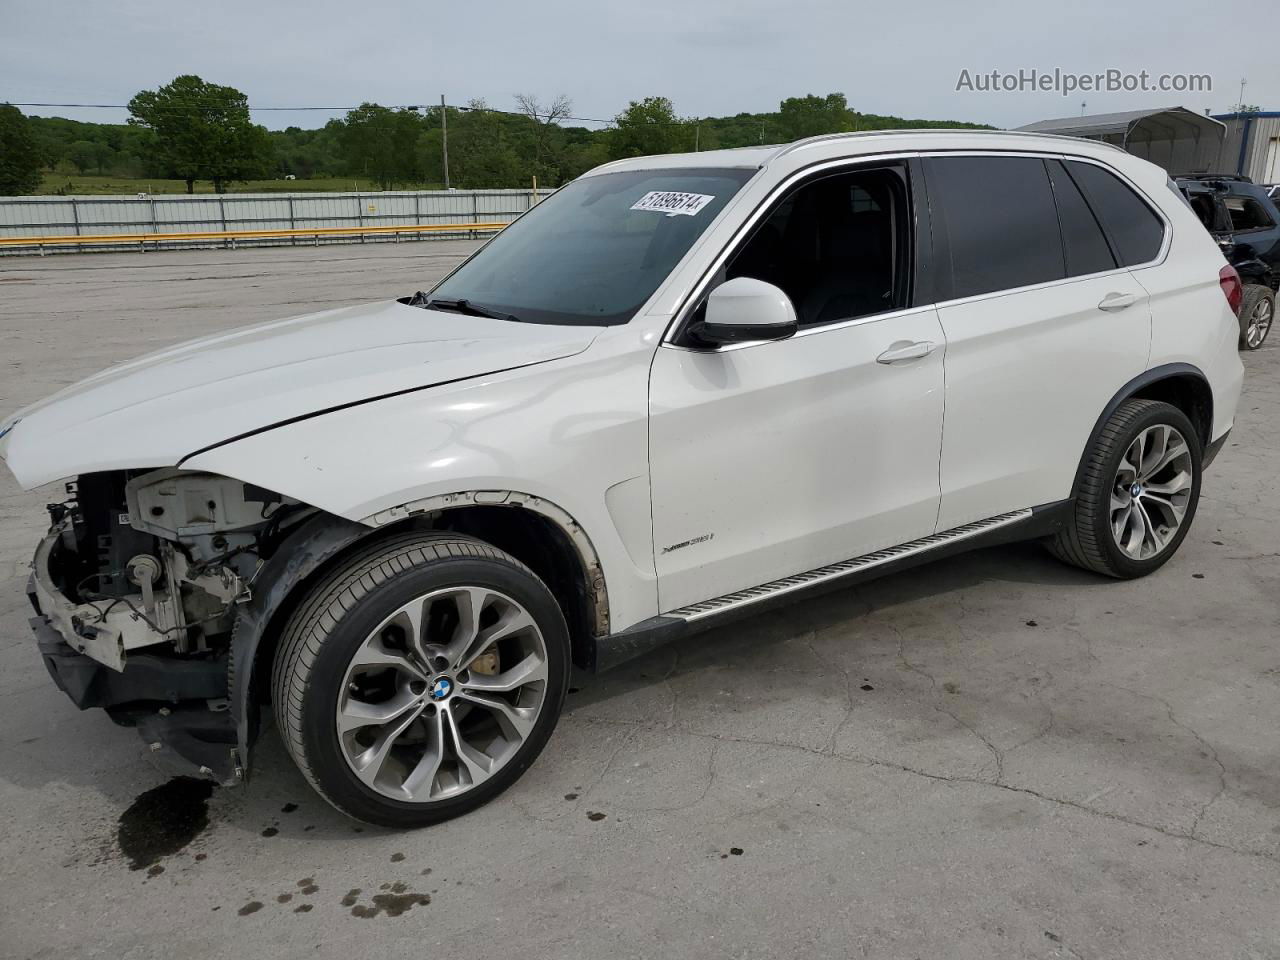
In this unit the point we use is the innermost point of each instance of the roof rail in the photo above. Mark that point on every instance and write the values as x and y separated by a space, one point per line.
939 131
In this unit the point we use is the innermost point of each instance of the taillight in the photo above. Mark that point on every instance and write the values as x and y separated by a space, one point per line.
1232 288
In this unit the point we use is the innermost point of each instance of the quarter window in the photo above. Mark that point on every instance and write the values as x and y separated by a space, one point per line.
1083 241
1001 222
1136 232
1247 214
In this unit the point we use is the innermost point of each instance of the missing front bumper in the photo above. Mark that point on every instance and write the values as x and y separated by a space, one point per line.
178 706
105 631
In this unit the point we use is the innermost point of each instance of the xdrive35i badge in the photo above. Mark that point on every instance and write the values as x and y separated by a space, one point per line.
688 543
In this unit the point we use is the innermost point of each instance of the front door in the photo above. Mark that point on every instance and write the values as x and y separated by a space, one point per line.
772 459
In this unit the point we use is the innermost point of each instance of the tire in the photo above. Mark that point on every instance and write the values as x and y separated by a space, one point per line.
1089 539
1257 312
331 669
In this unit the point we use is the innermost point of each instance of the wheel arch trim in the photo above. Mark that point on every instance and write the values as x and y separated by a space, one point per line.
1144 380
588 557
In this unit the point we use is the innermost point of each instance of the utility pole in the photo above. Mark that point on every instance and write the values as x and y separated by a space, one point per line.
697 136
444 139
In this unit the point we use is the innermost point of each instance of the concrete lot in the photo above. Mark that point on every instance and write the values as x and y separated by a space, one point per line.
995 756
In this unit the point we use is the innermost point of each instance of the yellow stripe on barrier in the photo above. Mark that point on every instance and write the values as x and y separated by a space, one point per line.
145 238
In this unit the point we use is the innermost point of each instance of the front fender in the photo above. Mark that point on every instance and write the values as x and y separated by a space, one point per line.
573 433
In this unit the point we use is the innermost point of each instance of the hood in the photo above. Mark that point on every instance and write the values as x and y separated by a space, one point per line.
158 409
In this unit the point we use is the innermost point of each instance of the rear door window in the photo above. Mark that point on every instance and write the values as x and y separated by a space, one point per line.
1001 222
1136 232
1083 241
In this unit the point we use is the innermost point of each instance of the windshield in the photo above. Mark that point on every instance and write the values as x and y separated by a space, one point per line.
593 252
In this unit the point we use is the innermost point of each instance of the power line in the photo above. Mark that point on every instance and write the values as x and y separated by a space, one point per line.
536 116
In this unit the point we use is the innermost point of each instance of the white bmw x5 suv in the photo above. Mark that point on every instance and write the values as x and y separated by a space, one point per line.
680 388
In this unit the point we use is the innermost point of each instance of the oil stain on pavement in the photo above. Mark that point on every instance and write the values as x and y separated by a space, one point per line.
398 900
163 820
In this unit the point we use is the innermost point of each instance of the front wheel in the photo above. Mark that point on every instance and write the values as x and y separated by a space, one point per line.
1137 493
1257 310
421 678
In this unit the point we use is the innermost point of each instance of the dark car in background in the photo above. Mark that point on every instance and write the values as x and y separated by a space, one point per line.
1244 219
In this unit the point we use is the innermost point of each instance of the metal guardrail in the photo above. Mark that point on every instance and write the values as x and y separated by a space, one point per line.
231 236
72 224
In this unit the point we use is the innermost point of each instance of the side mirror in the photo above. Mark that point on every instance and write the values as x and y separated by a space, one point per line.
745 310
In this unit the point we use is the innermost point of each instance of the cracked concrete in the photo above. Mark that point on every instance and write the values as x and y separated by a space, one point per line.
994 756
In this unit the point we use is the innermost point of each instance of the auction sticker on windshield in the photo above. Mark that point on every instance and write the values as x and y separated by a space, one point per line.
672 203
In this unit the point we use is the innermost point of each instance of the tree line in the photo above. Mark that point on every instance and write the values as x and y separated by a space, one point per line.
192 130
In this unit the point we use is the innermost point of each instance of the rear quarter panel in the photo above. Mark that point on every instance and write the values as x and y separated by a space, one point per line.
1192 322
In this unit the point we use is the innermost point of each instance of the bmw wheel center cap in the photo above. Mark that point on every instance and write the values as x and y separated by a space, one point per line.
441 688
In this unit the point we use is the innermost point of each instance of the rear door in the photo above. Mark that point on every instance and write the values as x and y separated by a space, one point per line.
1043 325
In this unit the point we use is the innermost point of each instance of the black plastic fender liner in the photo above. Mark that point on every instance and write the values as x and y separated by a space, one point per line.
168 701
301 555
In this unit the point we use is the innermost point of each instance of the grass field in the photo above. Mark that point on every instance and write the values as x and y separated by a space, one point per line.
78 185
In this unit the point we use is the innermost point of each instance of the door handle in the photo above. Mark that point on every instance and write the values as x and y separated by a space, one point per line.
904 350
1117 301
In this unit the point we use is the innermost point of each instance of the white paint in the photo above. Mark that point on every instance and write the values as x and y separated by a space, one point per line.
792 454
747 302
1028 372
157 409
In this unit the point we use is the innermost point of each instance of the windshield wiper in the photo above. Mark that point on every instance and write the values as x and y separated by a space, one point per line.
471 309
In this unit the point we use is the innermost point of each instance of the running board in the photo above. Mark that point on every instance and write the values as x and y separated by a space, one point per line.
834 571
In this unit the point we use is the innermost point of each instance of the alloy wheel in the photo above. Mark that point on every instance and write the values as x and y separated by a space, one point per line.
1151 491
1259 323
442 694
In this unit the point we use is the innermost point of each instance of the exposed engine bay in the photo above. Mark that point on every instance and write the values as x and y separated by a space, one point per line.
156 560
137 590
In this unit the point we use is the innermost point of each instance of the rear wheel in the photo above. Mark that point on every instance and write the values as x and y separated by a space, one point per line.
1257 311
1137 494
421 678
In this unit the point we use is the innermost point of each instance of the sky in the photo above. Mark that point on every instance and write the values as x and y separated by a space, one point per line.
710 58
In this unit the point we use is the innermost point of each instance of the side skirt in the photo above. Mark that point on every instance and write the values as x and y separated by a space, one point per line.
1027 524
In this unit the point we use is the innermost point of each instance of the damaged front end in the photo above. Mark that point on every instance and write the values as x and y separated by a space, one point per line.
137 589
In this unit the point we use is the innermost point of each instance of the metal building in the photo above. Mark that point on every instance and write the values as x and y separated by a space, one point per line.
1178 139
1252 145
